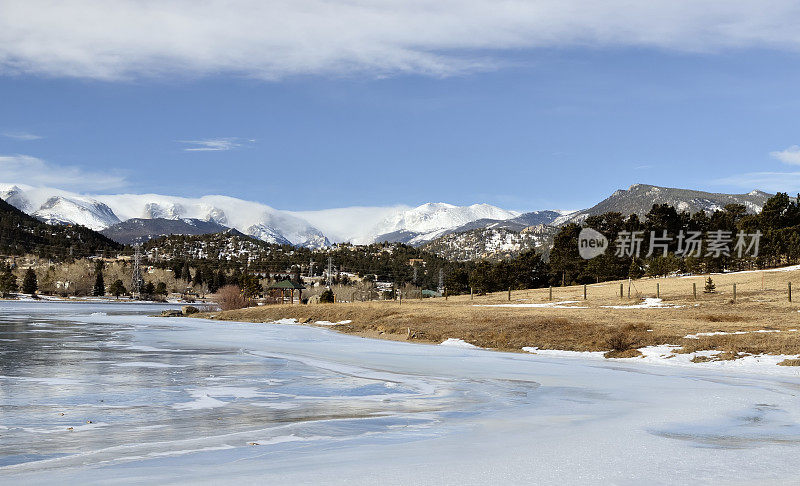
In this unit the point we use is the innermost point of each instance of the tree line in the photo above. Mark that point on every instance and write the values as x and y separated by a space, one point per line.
777 226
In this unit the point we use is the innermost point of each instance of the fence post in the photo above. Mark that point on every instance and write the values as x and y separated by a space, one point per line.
734 292
584 291
694 290
658 291
551 293
621 290
509 294
445 293
471 293
790 291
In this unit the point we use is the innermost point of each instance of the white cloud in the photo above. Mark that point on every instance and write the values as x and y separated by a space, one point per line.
36 172
351 223
272 39
789 156
215 144
21 136
765 181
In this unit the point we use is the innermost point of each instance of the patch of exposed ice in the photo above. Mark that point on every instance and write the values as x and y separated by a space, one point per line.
147 364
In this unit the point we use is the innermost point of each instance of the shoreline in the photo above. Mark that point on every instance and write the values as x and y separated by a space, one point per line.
756 322
659 356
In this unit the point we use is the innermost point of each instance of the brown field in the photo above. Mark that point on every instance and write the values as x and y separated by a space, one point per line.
761 304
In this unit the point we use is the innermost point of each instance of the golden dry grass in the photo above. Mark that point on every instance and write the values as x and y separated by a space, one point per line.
761 304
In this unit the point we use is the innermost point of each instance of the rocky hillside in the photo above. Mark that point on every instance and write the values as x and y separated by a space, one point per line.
494 243
138 230
639 198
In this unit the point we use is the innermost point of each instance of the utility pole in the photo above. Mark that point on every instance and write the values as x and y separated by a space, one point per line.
441 280
330 271
136 280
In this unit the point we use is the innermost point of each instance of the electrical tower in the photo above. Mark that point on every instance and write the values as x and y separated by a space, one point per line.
330 271
136 279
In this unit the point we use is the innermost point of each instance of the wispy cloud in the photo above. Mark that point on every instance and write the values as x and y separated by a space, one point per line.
772 181
278 38
765 181
37 172
789 156
215 144
21 135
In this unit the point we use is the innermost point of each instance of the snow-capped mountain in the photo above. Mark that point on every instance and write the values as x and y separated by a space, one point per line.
359 225
429 221
85 212
103 211
639 199
15 196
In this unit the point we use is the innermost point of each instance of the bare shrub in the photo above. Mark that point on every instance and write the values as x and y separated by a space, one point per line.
623 339
230 297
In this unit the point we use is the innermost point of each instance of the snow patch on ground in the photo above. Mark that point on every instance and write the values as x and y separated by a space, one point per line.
666 355
723 333
329 323
648 303
546 305
458 343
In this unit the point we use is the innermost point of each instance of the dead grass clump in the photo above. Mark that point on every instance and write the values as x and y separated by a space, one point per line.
790 362
728 356
723 318
702 359
628 353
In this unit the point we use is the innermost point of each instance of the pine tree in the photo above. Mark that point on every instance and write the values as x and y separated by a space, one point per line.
634 271
149 289
161 288
117 288
185 273
8 282
710 287
326 297
29 283
99 285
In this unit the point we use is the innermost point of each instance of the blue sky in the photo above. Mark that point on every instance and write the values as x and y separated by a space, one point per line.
537 126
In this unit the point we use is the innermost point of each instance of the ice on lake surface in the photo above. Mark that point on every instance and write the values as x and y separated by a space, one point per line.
96 393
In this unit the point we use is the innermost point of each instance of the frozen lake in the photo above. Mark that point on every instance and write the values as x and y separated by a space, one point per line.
95 393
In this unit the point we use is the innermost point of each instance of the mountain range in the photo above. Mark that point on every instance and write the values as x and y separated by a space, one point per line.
137 217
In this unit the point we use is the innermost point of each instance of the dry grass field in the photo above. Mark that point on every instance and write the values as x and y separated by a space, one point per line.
602 322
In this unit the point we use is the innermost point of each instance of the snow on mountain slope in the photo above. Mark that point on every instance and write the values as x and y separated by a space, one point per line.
15 196
85 212
101 211
431 220
251 218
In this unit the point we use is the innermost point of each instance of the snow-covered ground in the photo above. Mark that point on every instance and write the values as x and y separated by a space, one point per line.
160 400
